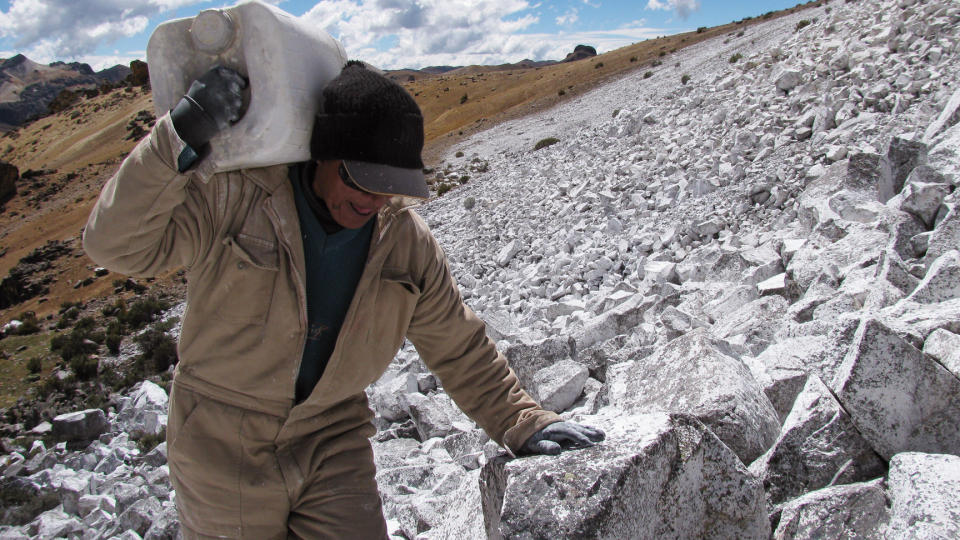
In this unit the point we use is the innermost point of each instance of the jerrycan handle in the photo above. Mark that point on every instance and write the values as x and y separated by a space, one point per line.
213 31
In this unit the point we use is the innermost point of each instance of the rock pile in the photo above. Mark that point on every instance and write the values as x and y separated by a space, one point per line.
748 281
100 481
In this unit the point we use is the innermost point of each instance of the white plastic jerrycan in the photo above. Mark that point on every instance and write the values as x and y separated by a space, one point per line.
286 61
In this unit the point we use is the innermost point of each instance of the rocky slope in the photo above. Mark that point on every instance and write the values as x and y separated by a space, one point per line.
747 279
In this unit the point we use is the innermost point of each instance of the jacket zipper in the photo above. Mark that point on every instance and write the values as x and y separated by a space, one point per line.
301 285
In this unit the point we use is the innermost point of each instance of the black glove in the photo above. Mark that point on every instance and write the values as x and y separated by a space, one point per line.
212 103
561 435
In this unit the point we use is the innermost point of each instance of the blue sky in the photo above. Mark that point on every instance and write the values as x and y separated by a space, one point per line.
391 34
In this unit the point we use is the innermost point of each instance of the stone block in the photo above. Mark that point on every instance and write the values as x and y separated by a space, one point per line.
846 511
942 281
945 347
945 237
922 200
754 325
702 376
923 492
654 476
526 358
903 155
818 446
557 387
84 425
899 398
435 415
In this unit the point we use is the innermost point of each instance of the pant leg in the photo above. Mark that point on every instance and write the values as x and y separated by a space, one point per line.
224 469
339 498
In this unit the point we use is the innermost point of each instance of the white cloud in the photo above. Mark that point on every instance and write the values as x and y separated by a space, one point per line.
683 7
68 29
568 18
454 32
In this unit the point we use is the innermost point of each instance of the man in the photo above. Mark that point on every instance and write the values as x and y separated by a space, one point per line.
303 281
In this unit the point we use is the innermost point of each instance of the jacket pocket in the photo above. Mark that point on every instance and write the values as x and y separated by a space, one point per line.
204 459
397 298
248 274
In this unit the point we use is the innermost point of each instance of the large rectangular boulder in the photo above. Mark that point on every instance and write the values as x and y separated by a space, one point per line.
655 476
818 447
703 376
899 398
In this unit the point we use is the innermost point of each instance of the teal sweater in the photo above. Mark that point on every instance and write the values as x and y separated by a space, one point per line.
335 258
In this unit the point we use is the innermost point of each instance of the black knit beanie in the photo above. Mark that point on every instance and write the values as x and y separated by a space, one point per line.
366 117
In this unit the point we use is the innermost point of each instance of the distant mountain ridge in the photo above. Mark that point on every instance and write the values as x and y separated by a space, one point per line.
580 52
27 88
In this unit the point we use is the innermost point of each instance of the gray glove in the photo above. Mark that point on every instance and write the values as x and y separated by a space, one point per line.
561 435
211 104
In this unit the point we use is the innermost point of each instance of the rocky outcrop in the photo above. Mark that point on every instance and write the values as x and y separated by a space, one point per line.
30 277
580 52
8 181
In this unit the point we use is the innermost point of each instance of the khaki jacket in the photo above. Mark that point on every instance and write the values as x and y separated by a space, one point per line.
238 236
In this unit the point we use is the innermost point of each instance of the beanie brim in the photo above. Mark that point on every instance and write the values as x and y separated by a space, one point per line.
387 179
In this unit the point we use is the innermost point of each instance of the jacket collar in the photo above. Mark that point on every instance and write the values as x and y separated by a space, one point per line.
274 178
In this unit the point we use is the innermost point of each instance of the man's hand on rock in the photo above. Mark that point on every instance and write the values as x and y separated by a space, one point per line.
211 104
559 436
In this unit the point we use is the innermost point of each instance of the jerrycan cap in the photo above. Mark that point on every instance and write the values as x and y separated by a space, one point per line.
212 31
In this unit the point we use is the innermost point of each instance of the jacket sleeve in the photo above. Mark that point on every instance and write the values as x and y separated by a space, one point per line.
452 342
149 218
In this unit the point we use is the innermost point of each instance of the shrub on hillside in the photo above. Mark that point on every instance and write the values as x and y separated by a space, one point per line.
802 24
543 143
685 78
159 351
72 345
148 441
84 367
648 74
142 312
35 365
735 58
67 316
30 324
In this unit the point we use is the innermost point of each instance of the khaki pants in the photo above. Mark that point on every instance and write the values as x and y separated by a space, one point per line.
232 481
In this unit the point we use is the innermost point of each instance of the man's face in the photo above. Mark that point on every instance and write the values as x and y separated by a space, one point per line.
350 207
